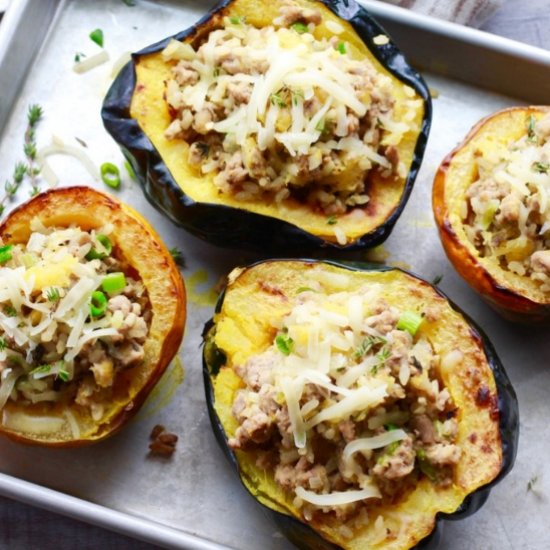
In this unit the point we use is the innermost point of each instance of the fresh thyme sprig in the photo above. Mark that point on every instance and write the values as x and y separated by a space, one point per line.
30 168
34 115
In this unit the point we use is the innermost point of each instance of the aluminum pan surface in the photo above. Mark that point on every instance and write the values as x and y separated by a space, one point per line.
195 492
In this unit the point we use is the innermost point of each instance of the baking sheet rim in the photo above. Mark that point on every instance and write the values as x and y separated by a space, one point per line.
134 525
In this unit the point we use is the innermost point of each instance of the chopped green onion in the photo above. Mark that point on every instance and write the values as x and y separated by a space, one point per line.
341 47
98 304
332 220
78 56
130 171
320 126
110 175
300 28
3 344
94 254
53 294
113 282
437 279
284 343
409 321
390 427
97 37
5 253
304 289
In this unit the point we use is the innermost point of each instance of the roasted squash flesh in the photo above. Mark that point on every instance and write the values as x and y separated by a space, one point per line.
243 328
499 273
360 224
64 422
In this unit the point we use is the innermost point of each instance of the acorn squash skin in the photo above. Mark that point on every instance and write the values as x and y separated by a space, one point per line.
138 243
303 535
235 226
507 294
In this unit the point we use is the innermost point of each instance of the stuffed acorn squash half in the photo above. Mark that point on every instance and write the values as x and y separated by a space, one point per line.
490 200
286 123
358 405
92 311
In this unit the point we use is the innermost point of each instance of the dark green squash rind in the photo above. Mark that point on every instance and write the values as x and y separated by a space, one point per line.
301 534
234 227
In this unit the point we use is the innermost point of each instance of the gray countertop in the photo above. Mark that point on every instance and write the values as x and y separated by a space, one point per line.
26 527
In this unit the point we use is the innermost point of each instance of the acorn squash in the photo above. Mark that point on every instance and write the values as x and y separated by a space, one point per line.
135 112
493 249
256 299
133 244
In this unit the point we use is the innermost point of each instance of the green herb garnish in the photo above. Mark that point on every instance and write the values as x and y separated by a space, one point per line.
541 167
110 175
63 375
177 254
3 344
216 72
383 355
78 56
391 448
97 37
531 483
5 253
437 279
235 20
531 122
42 369
10 311
320 126
390 427
30 168
284 343
52 294
300 28
367 344
276 99
341 47
409 321
332 220
295 95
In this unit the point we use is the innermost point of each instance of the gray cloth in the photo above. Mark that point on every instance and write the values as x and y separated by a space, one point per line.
466 12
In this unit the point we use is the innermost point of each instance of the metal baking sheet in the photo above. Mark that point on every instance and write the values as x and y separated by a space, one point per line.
194 500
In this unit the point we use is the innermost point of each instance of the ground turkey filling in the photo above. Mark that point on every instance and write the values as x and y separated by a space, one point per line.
72 315
276 113
346 406
507 209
